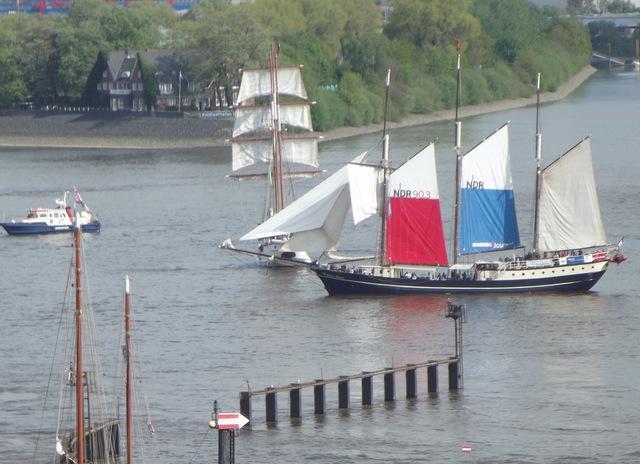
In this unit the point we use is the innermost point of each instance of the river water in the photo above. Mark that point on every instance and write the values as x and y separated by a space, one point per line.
547 378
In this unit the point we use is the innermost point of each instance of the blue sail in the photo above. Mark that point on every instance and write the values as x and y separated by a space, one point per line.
488 219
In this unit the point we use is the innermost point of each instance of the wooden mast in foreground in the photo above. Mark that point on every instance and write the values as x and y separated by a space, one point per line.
79 374
127 355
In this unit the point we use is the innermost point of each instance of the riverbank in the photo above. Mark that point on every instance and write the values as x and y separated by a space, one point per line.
470 110
133 131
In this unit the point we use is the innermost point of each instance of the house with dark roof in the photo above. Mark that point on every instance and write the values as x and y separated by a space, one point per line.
122 82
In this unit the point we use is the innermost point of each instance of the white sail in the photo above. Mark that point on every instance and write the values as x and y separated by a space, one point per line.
298 151
569 210
314 220
365 183
488 163
250 119
257 83
416 178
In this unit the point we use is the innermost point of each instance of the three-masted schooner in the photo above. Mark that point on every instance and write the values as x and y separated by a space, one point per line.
273 139
570 252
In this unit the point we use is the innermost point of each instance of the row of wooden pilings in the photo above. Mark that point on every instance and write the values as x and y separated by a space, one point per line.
226 438
366 380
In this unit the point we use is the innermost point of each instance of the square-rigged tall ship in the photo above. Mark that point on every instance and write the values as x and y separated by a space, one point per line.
569 252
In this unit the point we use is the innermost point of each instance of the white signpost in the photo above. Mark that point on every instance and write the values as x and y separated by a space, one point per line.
231 421
227 423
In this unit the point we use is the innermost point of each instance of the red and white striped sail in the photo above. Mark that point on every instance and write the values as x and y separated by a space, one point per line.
414 232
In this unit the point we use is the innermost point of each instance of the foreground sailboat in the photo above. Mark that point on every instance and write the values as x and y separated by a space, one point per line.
98 427
570 249
273 140
86 411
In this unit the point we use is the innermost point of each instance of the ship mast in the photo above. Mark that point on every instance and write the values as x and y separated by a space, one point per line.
276 130
458 145
78 319
385 173
536 201
127 355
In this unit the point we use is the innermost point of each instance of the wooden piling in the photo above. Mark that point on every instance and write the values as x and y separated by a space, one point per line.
454 379
367 389
318 397
294 401
432 378
271 401
343 392
245 405
411 381
389 385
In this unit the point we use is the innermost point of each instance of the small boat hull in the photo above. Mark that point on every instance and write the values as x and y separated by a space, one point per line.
344 282
41 228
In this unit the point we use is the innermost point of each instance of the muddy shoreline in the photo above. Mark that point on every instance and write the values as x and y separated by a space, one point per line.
104 130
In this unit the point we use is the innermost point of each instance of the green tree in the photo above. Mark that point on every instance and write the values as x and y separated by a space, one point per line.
362 45
40 58
572 36
12 85
514 25
149 83
604 34
218 40
278 17
118 28
435 22
90 95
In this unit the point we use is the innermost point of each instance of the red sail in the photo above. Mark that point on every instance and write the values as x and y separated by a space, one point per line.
414 232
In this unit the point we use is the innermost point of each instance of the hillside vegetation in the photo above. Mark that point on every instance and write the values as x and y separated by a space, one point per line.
343 44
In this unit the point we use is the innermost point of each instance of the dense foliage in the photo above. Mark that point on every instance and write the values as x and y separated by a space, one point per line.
343 44
605 38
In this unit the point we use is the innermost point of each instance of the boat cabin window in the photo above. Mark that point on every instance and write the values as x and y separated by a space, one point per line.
42 215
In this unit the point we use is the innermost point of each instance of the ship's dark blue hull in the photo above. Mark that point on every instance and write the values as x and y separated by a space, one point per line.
342 282
39 228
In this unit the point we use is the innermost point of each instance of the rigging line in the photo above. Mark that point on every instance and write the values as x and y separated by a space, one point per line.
195 452
137 364
55 350
139 392
242 202
119 371
315 281
68 346
102 401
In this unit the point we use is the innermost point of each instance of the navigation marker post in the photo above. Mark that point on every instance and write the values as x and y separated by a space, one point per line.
226 423
457 312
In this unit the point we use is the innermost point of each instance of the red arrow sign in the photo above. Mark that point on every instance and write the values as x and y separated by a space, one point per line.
231 421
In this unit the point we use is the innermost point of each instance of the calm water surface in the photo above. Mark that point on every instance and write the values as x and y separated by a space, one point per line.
548 378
